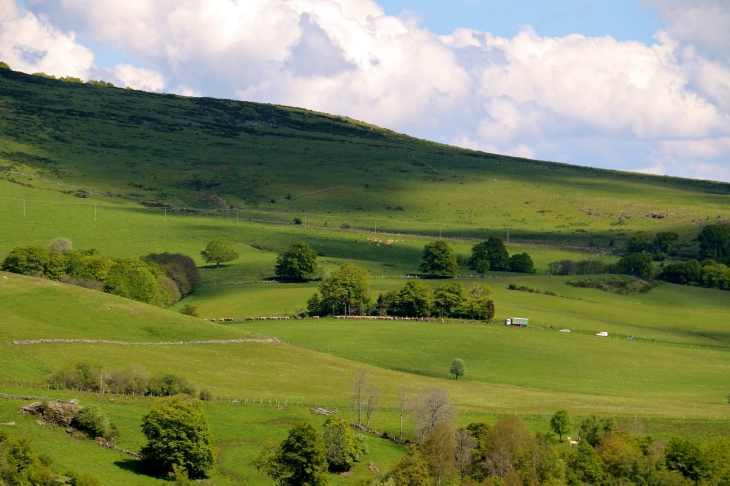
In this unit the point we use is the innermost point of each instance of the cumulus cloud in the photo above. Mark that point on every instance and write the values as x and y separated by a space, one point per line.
591 101
30 44
139 78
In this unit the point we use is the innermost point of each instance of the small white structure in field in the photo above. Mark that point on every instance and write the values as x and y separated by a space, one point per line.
602 334
517 322
565 330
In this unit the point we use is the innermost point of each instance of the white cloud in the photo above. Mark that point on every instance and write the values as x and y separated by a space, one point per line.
592 101
139 78
31 44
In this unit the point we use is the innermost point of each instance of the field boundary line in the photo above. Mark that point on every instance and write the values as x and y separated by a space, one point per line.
144 343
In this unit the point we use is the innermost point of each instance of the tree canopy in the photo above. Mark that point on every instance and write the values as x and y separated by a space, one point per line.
521 263
218 251
638 265
298 262
178 433
438 259
489 255
458 368
347 290
560 423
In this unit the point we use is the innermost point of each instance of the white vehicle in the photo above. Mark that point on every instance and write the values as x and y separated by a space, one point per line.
602 334
565 330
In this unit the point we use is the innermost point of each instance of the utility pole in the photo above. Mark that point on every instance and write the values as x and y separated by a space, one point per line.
305 222
508 236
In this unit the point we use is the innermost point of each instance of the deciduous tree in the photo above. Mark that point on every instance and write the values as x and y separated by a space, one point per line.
438 259
219 250
458 368
560 423
177 432
298 262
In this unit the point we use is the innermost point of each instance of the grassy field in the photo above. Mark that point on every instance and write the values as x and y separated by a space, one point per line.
220 154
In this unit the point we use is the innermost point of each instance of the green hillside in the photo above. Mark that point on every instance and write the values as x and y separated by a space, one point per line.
218 154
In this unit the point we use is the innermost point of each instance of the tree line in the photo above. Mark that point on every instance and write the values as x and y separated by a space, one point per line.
347 292
158 278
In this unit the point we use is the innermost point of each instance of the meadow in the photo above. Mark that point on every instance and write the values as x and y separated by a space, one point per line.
167 150
131 173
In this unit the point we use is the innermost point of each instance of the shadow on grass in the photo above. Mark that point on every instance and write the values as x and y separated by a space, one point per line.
137 467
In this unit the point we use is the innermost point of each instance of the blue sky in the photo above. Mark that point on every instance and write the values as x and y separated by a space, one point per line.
621 19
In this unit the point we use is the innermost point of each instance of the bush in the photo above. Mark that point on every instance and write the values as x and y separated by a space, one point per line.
178 433
189 310
346 225
60 245
34 260
180 268
4 65
93 421
206 395
132 279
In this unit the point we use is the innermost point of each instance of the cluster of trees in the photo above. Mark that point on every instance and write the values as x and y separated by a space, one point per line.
492 255
638 265
714 243
20 464
453 299
159 278
305 456
347 291
659 245
87 377
707 273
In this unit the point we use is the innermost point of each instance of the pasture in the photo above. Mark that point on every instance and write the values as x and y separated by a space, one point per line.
265 159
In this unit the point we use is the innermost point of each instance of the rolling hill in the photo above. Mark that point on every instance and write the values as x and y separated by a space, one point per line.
202 153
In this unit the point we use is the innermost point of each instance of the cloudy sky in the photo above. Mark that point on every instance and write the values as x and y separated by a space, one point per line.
640 85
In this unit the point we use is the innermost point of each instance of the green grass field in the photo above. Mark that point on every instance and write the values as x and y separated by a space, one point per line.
205 153
120 166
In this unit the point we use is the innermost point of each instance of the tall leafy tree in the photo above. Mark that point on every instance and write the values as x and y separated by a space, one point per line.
449 298
303 456
640 241
339 440
715 241
412 469
347 290
415 299
458 368
560 423
638 265
665 243
298 262
178 433
489 255
438 449
218 251
521 263
438 259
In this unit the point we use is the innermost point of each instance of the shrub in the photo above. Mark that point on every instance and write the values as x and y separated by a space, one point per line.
206 395
33 260
132 279
93 421
165 385
346 225
180 268
189 310
60 245
4 65
101 83
178 433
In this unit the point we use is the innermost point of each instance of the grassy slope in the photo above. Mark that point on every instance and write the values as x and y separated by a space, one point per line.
200 152
124 230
